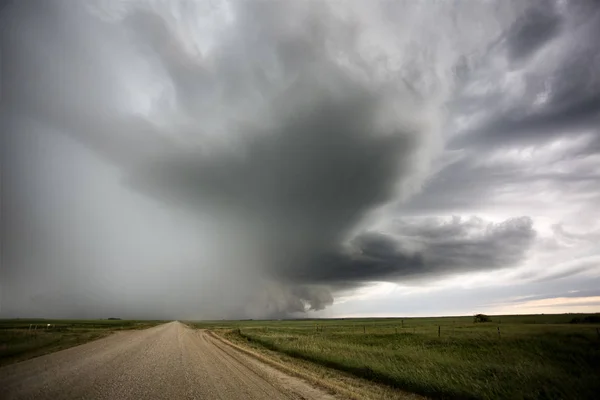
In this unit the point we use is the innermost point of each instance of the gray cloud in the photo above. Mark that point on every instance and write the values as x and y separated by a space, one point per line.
475 182
299 185
282 134
539 24
571 237
552 295
419 248
524 120
327 147
550 96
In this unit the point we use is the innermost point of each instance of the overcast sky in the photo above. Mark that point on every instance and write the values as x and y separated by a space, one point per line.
234 159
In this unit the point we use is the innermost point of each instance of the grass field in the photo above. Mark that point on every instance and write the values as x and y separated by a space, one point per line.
21 339
512 357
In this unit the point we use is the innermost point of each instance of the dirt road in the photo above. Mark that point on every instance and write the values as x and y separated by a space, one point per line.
170 361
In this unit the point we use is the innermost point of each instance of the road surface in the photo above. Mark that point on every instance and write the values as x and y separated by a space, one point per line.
170 361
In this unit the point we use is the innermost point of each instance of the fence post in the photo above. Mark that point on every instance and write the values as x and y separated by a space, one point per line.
498 331
364 329
402 323
439 331
396 330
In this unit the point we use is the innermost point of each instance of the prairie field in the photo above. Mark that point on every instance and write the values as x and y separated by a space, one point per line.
510 357
21 339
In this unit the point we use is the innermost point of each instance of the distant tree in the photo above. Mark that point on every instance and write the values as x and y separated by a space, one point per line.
481 318
114 319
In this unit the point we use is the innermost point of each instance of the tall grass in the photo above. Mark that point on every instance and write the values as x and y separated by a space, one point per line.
21 339
466 361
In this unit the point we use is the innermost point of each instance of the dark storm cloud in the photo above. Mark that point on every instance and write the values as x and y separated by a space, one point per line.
284 135
291 180
300 184
425 247
470 183
327 147
535 87
317 170
561 115
560 96
539 24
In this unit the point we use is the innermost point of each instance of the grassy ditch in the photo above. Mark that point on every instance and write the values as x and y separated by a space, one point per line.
524 357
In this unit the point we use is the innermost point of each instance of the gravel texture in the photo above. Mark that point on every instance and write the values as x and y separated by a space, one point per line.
170 361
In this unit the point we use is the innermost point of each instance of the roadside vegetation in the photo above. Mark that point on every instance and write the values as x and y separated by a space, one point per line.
497 357
21 339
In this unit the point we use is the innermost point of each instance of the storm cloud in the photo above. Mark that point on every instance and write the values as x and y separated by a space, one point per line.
295 144
546 81
422 248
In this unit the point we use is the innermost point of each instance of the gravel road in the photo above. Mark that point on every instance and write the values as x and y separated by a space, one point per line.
170 361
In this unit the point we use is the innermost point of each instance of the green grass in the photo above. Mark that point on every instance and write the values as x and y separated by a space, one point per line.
21 340
533 357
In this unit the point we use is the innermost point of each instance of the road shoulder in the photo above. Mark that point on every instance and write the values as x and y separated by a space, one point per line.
337 383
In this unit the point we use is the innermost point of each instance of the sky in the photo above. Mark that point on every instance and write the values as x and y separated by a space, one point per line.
278 159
